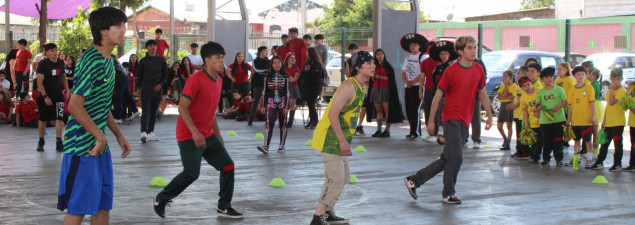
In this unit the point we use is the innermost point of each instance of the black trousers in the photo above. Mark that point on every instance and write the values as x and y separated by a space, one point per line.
428 95
552 140
272 115
150 101
613 134
311 95
412 101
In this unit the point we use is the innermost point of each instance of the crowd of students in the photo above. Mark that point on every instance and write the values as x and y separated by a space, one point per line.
532 99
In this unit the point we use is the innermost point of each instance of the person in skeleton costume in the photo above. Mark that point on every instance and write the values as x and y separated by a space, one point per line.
275 102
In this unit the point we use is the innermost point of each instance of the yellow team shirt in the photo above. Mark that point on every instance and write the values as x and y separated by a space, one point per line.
566 83
579 99
511 89
518 113
631 115
528 103
614 113
541 82
537 84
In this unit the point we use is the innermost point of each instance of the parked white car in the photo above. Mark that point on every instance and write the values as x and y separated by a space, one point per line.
605 62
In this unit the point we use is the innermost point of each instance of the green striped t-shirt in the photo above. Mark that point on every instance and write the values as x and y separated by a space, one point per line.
95 80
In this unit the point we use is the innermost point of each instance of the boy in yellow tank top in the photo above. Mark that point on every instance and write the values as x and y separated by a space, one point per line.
334 133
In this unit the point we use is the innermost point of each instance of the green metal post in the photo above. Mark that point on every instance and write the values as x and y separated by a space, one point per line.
567 41
343 55
480 41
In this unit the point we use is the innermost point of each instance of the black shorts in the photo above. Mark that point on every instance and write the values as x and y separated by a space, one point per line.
582 132
50 112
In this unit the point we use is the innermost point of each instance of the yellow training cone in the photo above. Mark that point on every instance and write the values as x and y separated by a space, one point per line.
231 133
360 148
277 182
600 180
158 181
259 135
309 143
353 179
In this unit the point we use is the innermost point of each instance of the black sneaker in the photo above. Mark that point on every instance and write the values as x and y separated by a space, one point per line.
630 168
360 131
377 134
505 147
385 134
545 163
452 199
597 166
159 206
40 146
412 187
264 149
331 218
412 137
319 220
229 213
289 124
615 168
59 146
281 149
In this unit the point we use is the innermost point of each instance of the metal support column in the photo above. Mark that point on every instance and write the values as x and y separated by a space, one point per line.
173 46
7 27
303 6
377 6
480 41
343 77
211 18
245 17
567 41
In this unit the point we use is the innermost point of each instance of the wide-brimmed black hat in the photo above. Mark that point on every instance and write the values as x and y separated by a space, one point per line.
414 37
440 46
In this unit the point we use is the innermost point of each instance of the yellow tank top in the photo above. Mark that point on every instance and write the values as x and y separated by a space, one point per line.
324 138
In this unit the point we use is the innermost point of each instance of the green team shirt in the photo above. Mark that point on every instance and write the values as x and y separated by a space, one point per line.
598 90
95 80
549 99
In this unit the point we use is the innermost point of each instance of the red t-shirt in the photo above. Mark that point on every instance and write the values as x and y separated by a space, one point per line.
22 60
205 95
5 108
297 47
131 83
240 75
291 71
244 106
27 111
161 46
427 67
282 52
377 83
460 86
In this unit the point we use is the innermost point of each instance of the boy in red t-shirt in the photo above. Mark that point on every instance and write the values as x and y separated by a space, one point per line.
26 110
297 46
234 111
460 84
22 62
162 45
198 135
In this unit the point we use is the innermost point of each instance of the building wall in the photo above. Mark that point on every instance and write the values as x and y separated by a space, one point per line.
603 41
542 38
488 34
545 13
569 8
599 8
290 19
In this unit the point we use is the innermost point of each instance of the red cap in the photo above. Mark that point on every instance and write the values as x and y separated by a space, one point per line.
293 29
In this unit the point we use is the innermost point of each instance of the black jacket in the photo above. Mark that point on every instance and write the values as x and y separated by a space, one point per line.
395 115
151 71
312 75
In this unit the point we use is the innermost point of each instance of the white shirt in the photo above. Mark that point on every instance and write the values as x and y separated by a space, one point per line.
195 60
36 59
412 67
5 84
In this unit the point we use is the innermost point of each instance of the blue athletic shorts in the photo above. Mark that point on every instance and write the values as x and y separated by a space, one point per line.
86 184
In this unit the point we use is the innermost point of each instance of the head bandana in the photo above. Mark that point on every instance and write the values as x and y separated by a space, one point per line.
360 58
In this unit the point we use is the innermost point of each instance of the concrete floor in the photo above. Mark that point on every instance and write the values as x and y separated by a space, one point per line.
517 193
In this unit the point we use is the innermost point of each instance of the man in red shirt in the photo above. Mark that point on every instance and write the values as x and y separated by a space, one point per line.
297 46
459 85
426 92
162 45
198 135
23 60
284 48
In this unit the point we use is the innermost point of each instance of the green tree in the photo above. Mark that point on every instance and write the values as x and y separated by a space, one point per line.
74 34
534 4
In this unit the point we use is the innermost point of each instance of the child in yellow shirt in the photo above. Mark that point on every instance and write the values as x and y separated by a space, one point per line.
581 116
506 94
613 124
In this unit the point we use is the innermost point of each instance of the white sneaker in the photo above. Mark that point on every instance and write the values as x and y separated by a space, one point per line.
430 138
476 145
144 137
134 116
151 137
117 121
